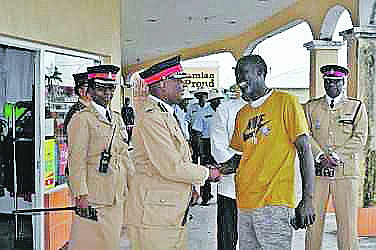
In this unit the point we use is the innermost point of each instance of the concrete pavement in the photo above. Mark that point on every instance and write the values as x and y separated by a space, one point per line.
203 232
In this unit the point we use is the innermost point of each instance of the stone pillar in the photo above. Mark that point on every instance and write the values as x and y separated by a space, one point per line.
361 47
321 53
361 44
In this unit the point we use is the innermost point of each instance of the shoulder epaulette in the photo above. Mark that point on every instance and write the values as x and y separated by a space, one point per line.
357 108
354 99
314 99
77 107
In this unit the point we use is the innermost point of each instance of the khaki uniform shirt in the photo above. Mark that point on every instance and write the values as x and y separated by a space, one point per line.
343 129
161 185
88 135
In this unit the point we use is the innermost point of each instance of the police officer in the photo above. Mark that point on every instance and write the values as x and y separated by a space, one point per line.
98 166
161 185
85 95
339 128
193 109
127 113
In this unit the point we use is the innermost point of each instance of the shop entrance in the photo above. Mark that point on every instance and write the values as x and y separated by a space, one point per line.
17 151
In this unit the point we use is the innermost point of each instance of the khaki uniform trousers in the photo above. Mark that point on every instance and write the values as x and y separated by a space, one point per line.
345 195
157 238
103 234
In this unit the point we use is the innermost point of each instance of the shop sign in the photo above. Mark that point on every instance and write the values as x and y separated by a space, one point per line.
201 77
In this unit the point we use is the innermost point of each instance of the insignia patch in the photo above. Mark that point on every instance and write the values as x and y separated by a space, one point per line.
317 124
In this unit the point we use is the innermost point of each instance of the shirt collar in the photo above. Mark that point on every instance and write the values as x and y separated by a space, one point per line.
261 100
101 110
169 108
336 99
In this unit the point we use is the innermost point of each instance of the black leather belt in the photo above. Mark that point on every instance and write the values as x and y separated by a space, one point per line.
322 171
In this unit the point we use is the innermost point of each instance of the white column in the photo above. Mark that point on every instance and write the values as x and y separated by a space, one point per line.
321 53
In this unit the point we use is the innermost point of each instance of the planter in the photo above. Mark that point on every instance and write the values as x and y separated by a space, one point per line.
367 221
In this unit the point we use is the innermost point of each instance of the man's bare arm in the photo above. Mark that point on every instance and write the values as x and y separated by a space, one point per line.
306 163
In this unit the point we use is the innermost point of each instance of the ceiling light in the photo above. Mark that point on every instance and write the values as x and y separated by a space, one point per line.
231 22
151 20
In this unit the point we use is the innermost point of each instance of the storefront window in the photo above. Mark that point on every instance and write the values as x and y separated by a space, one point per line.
59 98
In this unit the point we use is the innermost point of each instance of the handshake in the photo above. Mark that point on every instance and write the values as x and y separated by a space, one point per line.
214 173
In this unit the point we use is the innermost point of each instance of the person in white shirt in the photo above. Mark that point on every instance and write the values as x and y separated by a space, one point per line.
220 136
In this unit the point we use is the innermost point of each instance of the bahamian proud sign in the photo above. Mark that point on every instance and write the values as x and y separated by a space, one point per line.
201 76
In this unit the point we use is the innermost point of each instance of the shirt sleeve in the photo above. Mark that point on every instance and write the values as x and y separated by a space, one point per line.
78 141
198 124
360 130
219 136
295 119
236 141
164 155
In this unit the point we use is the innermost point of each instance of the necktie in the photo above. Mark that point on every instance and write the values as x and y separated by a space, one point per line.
332 104
108 116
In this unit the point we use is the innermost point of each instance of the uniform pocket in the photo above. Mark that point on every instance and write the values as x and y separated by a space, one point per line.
164 208
347 128
352 166
104 187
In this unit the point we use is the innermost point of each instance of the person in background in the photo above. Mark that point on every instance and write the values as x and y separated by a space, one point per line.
127 114
180 110
268 131
98 165
220 136
339 127
192 110
202 127
85 95
164 173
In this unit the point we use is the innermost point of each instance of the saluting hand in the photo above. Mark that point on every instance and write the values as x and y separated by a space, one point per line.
140 87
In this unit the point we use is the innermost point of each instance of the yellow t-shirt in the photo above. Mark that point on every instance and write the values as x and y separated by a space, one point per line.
266 136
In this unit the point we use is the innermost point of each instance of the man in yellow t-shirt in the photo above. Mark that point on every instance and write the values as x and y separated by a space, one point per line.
268 131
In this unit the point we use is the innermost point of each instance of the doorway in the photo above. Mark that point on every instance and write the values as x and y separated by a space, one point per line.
17 150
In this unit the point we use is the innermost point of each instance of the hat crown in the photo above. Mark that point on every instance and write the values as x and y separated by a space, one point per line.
105 74
215 94
334 71
162 70
80 78
107 68
201 90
